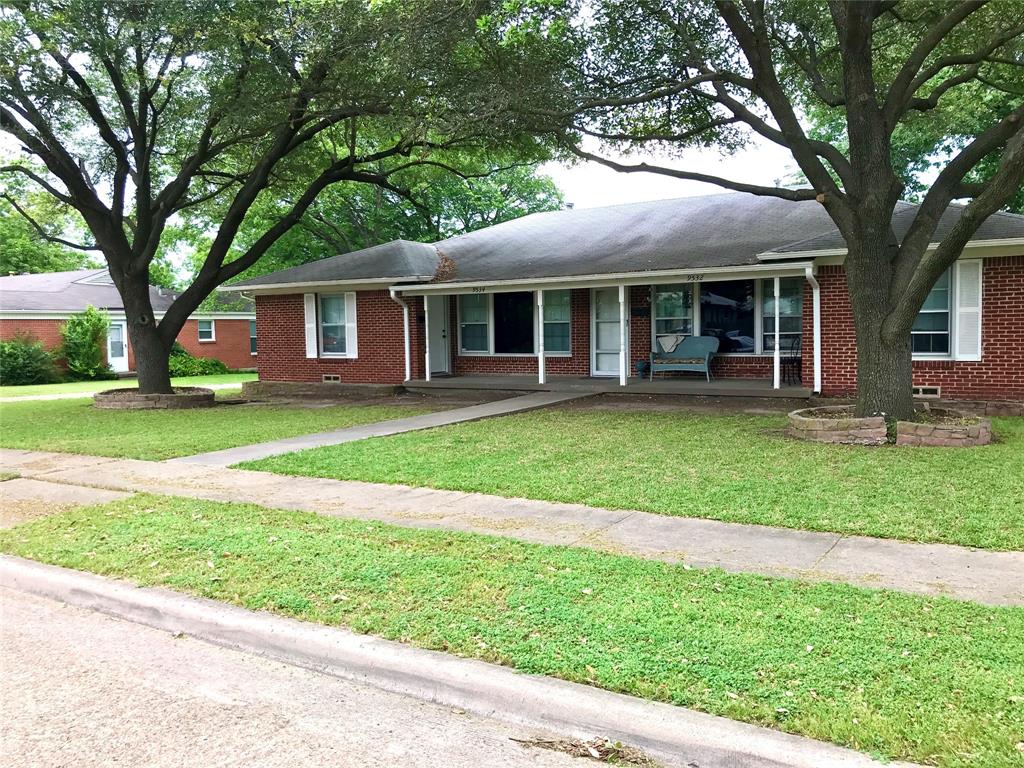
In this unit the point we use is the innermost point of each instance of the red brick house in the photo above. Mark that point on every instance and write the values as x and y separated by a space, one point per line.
39 304
553 298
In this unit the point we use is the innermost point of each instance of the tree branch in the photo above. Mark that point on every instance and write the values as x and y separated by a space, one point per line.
42 232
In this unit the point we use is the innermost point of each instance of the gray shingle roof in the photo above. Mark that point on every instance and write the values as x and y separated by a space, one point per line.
399 259
74 291
999 226
722 230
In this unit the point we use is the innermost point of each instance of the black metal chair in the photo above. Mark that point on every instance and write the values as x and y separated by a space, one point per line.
791 360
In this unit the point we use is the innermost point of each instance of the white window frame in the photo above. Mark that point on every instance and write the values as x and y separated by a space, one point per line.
950 331
351 349
213 330
655 317
252 335
463 352
543 323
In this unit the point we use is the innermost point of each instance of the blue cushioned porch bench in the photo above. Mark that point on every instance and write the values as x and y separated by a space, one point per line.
690 353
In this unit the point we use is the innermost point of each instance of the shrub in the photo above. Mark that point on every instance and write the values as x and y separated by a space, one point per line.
181 363
24 360
83 345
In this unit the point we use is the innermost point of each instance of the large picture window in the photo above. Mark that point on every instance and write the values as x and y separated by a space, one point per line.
791 305
673 314
930 332
727 311
513 323
557 322
474 317
332 325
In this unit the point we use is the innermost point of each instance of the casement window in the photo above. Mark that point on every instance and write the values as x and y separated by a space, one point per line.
791 307
557 322
930 334
207 332
506 323
949 323
252 337
673 312
474 322
330 321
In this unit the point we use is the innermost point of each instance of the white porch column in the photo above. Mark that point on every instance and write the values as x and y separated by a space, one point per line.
541 372
426 337
776 355
816 304
623 319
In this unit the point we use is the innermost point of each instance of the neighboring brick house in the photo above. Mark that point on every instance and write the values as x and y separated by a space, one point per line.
590 293
38 304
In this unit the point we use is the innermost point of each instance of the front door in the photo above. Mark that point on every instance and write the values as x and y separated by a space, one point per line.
437 311
605 332
117 348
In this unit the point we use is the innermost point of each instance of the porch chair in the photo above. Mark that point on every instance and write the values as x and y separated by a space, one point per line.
684 353
791 361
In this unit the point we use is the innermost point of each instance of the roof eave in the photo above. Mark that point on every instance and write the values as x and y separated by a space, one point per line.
1008 246
302 286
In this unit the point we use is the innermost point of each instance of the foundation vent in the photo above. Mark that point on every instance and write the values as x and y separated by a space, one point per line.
934 392
332 378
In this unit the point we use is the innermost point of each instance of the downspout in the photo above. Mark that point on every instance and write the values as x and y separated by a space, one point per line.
816 303
405 325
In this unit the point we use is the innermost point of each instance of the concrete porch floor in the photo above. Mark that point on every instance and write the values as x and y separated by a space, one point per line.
598 385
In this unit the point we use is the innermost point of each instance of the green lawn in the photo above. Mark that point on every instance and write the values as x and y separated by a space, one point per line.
71 387
74 426
732 467
930 680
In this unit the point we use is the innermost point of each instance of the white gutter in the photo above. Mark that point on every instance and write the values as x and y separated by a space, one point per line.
997 246
816 301
405 326
706 274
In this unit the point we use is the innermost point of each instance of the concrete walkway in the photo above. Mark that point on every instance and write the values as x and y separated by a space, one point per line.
995 578
229 456
80 395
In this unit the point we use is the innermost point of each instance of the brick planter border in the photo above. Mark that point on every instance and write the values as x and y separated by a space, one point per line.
978 432
819 425
131 400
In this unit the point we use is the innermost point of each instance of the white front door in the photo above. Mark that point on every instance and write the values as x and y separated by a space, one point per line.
437 312
117 347
604 313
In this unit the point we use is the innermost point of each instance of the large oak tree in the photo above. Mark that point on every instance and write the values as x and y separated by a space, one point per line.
140 110
713 73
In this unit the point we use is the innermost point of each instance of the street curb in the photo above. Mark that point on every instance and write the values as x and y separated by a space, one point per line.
484 689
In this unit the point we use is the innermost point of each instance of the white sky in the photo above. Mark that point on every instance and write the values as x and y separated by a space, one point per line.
590 185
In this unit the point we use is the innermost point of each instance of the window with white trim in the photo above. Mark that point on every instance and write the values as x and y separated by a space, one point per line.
557 322
791 307
332 324
673 312
474 322
252 337
931 330
206 330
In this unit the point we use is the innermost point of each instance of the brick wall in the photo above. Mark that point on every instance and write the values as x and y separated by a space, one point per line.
231 344
281 333
1000 372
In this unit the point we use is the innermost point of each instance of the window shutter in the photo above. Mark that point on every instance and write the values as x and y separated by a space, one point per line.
309 304
351 344
968 310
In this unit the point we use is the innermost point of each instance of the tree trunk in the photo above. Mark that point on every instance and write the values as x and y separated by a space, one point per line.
884 375
150 349
151 360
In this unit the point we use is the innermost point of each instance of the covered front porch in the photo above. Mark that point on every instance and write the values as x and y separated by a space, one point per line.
602 333
633 386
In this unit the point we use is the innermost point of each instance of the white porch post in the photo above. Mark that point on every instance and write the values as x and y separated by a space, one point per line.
541 372
816 304
776 355
623 319
426 337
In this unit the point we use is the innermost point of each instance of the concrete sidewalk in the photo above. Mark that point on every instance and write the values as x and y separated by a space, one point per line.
995 578
80 395
229 456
